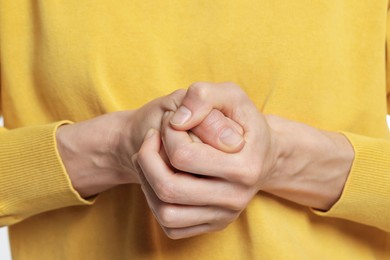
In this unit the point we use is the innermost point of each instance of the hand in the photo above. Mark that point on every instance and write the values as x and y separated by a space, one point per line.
98 154
303 164
289 159
186 204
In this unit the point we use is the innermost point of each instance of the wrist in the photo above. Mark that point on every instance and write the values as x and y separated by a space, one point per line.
90 152
312 165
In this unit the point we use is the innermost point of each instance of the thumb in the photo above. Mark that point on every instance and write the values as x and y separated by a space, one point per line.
195 106
220 132
202 97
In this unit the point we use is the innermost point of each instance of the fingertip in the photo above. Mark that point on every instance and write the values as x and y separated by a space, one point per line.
181 116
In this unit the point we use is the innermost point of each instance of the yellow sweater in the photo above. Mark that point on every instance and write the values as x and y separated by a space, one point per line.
325 62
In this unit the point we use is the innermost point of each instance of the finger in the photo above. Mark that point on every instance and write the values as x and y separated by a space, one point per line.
241 168
152 155
220 132
179 233
194 137
201 98
195 157
181 216
184 188
181 221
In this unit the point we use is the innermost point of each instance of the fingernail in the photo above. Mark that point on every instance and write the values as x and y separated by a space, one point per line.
230 137
181 116
150 133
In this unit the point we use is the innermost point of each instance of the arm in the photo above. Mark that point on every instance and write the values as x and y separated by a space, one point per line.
312 166
307 165
53 166
289 159
99 154
366 194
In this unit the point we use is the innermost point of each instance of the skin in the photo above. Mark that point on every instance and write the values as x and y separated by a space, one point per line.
100 153
195 188
199 170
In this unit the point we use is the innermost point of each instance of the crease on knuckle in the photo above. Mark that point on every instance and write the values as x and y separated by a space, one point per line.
181 157
214 121
166 192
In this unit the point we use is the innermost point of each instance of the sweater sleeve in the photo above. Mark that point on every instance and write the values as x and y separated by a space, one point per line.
366 195
32 176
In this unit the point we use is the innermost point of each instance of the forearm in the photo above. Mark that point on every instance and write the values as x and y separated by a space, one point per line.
312 166
96 153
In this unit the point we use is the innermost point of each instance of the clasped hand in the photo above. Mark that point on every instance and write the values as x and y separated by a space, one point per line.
199 179
208 151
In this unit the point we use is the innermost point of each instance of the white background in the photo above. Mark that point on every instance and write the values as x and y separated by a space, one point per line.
4 243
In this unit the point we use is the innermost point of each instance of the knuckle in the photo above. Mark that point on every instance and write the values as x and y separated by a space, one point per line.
172 233
181 157
227 216
252 175
167 216
175 99
218 226
248 175
231 216
221 226
250 179
166 192
239 204
240 201
199 90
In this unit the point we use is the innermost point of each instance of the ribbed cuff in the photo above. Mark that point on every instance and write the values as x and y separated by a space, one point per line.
366 195
33 178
